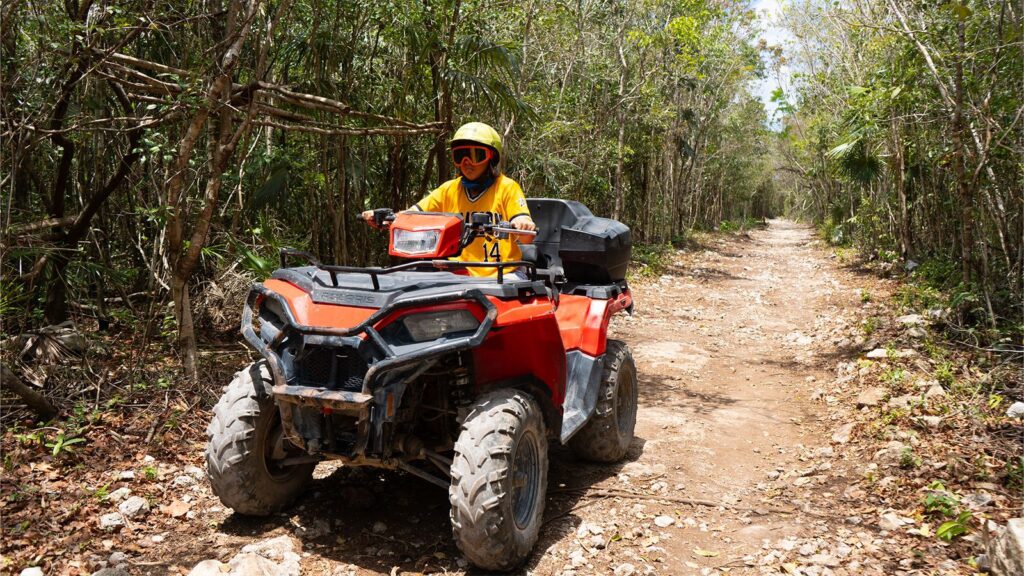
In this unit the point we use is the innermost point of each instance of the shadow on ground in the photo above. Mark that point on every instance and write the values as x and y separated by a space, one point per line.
378 519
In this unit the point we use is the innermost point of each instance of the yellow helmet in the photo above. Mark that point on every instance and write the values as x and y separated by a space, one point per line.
479 133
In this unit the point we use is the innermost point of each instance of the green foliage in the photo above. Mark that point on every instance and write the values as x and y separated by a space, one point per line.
871 148
957 527
870 324
909 459
654 259
938 501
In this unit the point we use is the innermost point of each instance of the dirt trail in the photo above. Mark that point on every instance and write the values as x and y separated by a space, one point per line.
727 364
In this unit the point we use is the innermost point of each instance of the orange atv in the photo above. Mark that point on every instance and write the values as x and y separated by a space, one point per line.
420 367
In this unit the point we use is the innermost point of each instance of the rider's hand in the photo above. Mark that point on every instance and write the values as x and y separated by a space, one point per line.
524 223
368 217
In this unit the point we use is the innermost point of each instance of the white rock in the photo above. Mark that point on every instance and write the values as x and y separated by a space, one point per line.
911 320
184 481
870 396
119 494
1016 410
32 571
127 475
576 559
148 459
1007 552
133 506
207 568
111 521
625 569
935 391
893 521
843 433
195 472
664 521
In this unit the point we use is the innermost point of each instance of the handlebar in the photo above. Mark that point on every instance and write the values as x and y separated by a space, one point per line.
506 228
382 217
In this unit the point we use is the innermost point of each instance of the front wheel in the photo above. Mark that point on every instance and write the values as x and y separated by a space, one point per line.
245 448
499 480
608 434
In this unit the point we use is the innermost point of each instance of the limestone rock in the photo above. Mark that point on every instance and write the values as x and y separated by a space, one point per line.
133 507
111 521
1007 551
843 433
870 396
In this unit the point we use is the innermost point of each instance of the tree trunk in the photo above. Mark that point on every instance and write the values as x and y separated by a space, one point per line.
620 119
966 240
36 401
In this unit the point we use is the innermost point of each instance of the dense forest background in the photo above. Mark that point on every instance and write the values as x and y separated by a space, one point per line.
156 155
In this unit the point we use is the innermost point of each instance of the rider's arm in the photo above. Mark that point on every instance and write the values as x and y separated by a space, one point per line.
519 213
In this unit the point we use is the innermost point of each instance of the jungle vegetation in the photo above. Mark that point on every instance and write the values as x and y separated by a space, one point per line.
156 154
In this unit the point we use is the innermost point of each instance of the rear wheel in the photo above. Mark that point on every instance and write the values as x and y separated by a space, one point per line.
245 448
609 432
499 480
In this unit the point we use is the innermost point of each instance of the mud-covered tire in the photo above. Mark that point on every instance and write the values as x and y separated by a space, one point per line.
609 432
238 462
499 480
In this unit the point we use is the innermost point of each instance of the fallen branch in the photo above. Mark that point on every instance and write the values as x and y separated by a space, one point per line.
605 493
19 229
36 401
348 131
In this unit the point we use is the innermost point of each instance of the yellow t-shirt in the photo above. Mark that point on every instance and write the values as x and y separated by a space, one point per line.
504 199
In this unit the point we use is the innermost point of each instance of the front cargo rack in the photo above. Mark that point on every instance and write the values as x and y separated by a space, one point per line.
375 271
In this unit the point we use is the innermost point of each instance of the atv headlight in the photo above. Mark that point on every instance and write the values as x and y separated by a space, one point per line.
413 242
426 326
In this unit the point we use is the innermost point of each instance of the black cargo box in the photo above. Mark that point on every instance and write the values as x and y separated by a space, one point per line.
595 251
588 249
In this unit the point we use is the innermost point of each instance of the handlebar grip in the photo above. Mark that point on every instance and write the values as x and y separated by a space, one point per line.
510 230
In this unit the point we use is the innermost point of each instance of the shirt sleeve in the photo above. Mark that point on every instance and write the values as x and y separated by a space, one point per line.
515 202
433 202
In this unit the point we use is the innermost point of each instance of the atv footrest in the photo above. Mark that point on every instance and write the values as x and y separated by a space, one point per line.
338 400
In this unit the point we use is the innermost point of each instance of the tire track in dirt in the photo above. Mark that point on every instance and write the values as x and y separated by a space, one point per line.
725 363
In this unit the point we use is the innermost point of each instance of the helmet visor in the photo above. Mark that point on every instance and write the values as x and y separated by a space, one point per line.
472 154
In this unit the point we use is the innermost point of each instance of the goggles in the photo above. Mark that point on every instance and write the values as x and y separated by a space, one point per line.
474 154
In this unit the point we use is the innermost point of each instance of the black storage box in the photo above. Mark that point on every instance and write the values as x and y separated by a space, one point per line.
595 250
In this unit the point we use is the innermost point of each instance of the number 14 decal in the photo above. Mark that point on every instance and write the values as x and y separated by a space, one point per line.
492 254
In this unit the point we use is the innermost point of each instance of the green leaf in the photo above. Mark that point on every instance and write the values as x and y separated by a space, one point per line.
274 189
949 530
961 11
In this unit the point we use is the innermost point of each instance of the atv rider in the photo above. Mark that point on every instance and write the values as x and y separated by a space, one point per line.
476 150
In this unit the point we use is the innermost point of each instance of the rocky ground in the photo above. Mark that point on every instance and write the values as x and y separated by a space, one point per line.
776 434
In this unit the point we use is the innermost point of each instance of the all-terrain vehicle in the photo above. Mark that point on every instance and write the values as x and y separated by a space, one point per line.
421 367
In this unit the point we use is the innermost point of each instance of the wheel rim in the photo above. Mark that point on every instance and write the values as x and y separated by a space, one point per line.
625 408
525 480
272 433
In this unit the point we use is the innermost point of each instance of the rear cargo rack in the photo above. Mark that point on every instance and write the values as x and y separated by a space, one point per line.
375 271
